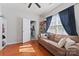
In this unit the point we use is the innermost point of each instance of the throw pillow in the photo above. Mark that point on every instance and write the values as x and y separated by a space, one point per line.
69 43
43 36
61 43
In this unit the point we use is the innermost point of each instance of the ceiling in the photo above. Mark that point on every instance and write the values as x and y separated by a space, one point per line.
23 7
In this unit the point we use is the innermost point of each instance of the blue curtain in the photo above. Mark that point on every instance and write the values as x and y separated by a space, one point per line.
48 21
68 20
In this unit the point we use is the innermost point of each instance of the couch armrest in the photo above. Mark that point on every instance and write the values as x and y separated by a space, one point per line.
51 48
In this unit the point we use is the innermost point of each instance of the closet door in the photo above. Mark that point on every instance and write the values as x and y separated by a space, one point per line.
26 30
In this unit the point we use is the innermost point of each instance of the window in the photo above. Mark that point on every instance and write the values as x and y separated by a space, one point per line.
56 26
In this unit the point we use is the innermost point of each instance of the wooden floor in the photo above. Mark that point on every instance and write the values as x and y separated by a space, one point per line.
31 48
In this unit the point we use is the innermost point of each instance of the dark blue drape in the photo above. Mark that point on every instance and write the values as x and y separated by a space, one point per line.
68 20
48 21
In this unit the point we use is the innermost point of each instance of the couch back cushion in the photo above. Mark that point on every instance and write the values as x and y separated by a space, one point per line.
57 37
75 38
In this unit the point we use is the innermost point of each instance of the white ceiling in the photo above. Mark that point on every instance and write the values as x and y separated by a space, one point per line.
23 7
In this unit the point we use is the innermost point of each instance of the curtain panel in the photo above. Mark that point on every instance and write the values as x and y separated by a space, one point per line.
48 21
68 20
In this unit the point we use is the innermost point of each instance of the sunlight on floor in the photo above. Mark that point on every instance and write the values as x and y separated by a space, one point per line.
26 48
28 45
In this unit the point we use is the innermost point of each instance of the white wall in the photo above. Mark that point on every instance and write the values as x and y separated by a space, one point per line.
77 17
1 33
19 29
0 10
14 18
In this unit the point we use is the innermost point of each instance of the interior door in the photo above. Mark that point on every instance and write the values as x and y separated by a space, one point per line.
26 30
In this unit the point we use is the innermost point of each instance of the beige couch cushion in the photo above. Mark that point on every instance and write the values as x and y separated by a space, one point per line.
57 37
62 42
69 43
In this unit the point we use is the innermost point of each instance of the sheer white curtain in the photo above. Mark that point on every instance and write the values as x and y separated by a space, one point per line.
56 26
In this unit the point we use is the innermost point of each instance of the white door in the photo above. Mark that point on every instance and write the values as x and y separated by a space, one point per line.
26 30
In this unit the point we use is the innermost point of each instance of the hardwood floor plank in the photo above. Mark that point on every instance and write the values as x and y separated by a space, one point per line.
31 48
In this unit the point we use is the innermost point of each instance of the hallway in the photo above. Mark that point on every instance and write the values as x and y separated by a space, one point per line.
31 48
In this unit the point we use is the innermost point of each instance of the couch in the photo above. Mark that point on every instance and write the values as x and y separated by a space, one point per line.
50 43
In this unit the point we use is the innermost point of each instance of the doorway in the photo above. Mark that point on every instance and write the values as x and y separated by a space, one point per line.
32 29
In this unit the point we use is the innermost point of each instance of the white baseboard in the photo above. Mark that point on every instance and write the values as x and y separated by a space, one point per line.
11 43
1 48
